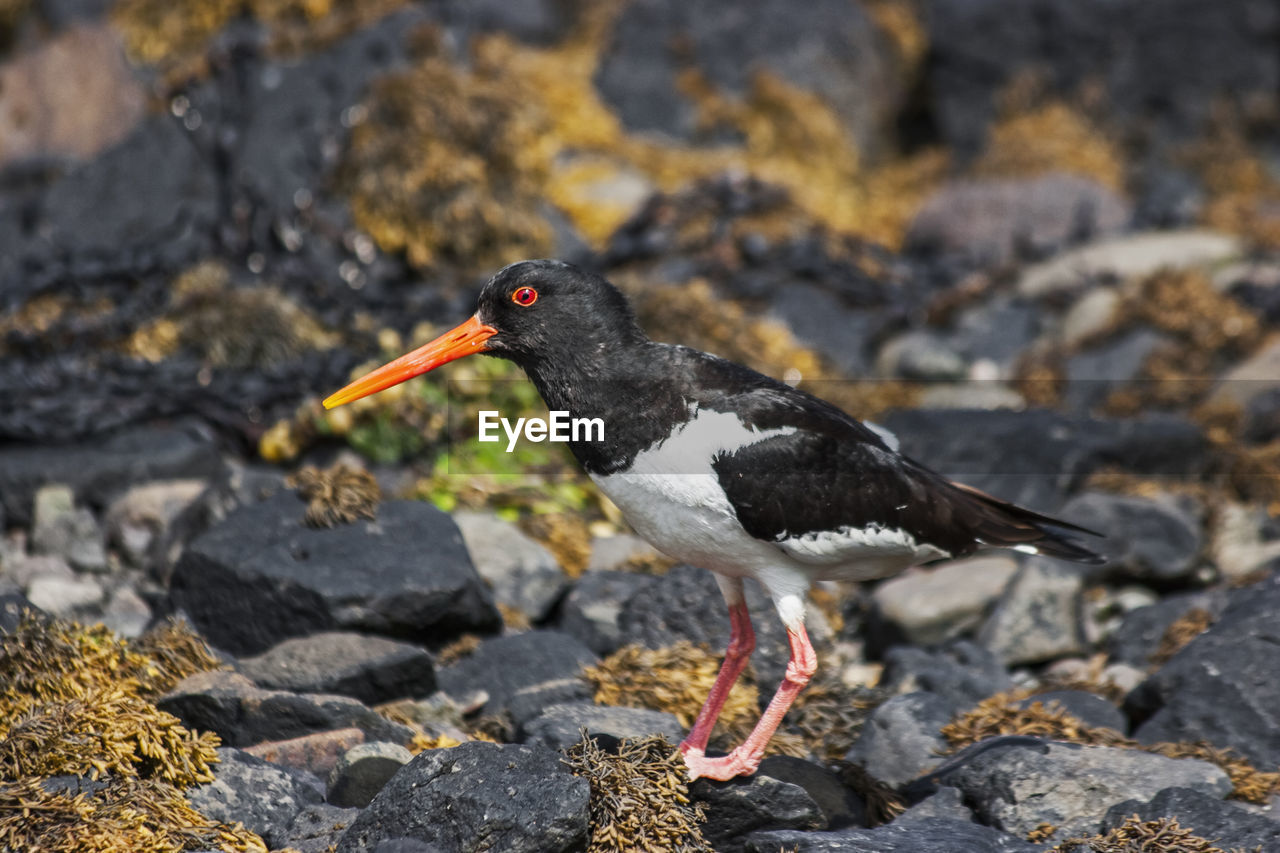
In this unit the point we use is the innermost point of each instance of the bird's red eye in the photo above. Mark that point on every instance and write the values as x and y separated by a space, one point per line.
525 296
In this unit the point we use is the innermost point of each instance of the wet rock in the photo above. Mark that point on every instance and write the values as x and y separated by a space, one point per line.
962 673
371 669
1223 823
996 221
514 798
1126 258
1036 457
1016 789
741 806
1221 687
824 47
839 804
318 826
1153 540
363 771
522 673
60 527
521 572
262 576
1089 708
560 726
930 606
263 797
592 612
927 835
1138 637
901 739
1040 615
64 596
316 753
242 714
98 470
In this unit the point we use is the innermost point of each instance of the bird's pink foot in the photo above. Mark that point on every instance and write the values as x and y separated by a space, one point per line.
739 762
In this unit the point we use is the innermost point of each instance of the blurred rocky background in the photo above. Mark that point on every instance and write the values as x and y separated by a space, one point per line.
1037 239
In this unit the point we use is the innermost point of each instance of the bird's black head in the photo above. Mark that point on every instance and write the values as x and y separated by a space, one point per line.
550 312
549 317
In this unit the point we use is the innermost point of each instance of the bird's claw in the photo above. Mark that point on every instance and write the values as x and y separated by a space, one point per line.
736 763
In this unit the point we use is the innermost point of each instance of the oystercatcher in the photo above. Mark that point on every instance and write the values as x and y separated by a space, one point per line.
721 467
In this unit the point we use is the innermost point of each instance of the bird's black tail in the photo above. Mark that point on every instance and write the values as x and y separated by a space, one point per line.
1002 524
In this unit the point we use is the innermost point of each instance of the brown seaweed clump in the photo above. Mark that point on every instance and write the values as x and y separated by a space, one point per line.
829 716
1002 714
639 797
336 495
1163 835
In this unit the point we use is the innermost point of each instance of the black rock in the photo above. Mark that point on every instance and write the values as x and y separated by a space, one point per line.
477 796
902 738
1223 823
1262 415
371 669
962 673
840 805
523 674
944 802
1071 787
560 726
686 604
1221 688
98 471
1152 540
262 576
825 324
826 47
264 797
243 714
1138 637
1037 457
927 835
741 806
592 611
1094 372
1089 708
316 827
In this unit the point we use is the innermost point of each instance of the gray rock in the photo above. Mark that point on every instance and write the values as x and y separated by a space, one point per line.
901 738
127 613
612 553
1128 257
919 354
839 804
141 517
996 332
1224 823
560 726
931 606
521 572
1039 617
64 596
242 714
1221 688
362 771
946 802
1139 635
68 531
522 673
1016 789
744 805
1087 707
1092 314
97 470
1154 540
997 221
824 323
1250 379
592 612
262 576
1035 458
824 47
928 835
262 796
478 796
371 669
22 568
962 673
318 826
1093 373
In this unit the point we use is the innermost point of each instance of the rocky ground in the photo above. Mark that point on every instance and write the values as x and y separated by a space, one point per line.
1039 241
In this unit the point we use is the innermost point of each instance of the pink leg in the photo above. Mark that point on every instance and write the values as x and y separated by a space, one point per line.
742 642
744 759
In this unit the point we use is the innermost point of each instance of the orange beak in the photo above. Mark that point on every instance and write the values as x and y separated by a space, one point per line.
466 339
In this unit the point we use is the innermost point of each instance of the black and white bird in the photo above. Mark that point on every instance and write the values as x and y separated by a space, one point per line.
722 467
